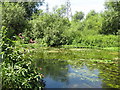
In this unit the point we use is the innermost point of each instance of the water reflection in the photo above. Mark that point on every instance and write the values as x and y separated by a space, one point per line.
55 69
77 73
60 74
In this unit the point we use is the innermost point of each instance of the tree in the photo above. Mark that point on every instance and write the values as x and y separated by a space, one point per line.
13 17
111 16
60 11
110 22
51 29
93 22
31 7
91 13
78 16
112 5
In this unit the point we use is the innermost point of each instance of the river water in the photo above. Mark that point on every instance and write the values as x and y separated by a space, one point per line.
78 68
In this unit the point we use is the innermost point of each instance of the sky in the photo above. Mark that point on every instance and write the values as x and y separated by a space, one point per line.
78 5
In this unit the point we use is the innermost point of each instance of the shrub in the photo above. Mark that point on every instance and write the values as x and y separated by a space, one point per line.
99 40
17 71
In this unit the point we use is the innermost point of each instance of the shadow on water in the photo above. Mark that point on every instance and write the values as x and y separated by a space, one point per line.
71 71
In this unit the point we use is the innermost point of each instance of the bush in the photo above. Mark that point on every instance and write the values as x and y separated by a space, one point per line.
17 70
50 29
99 40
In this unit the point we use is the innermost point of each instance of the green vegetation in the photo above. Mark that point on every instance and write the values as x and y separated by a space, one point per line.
54 62
17 70
53 29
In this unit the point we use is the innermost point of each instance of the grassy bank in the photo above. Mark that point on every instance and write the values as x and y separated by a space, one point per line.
85 52
36 46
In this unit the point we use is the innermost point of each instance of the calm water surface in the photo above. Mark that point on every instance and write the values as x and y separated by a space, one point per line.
77 69
75 78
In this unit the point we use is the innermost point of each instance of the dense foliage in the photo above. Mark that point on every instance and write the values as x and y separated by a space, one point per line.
54 29
13 17
78 16
111 22
50 29
17 70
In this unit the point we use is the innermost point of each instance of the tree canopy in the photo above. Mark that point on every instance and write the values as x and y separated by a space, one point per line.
78 16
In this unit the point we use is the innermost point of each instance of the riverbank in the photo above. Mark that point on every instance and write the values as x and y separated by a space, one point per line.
95 54
36 45
87 53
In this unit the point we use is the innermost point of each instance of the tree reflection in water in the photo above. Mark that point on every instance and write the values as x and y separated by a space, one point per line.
70 68
54 68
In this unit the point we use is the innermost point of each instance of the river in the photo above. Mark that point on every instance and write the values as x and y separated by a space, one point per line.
78 68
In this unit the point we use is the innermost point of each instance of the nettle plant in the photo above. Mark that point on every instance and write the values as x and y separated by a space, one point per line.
17 70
